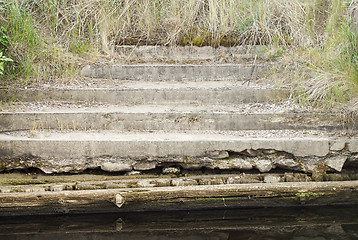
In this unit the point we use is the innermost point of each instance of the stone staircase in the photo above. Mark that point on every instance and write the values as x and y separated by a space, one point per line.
190 123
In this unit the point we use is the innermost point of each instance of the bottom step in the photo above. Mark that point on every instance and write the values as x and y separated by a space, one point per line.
56 152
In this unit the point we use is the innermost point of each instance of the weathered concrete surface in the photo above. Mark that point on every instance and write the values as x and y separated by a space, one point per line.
156 93
76 151
336 163
167 118
182 197
353 145
238 72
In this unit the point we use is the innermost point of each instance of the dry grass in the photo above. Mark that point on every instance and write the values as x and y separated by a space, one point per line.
172 22
104 23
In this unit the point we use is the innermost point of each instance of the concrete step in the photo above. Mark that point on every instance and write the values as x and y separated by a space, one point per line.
179 54
166 72
129 92
52 151
67 116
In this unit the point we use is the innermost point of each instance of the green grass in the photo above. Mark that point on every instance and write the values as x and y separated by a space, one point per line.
52 39
29 45
28 42
333 60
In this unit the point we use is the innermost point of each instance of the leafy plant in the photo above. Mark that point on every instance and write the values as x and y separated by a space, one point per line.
4 38
4 44
2 60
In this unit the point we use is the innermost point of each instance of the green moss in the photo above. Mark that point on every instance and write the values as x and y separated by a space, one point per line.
197 41
23 181
132 185
187 159
16 189
206 199
2 167
307 196
320 172
203 37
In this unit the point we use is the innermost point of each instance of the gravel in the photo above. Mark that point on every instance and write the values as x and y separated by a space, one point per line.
249 108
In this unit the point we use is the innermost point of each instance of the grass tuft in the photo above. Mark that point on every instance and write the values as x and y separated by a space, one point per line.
332 61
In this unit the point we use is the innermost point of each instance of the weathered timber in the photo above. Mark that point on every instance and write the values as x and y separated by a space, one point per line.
11 183
185 197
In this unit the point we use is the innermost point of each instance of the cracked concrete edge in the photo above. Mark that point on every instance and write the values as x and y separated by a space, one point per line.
353 145
76 156
183 197
340 144
145 146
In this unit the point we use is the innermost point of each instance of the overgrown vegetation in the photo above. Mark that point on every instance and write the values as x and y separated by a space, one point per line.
50 39
333 58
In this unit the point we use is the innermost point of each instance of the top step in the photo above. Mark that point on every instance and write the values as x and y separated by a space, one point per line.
189 63
190 54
